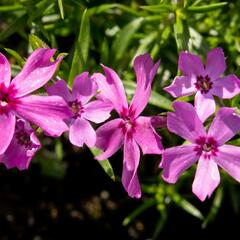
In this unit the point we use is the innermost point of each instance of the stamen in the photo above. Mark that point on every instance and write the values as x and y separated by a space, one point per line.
76 107
204 84
207 146
23 138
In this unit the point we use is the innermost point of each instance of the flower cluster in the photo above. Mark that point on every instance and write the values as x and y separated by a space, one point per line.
91 100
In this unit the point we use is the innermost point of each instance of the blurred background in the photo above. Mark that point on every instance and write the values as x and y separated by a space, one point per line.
66 194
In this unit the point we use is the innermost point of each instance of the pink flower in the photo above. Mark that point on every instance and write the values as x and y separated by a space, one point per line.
22 148
46 112
130 130
83 110
204 80
206 148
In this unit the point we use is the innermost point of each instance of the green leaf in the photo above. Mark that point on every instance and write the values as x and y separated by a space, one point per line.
19 59
105 7
60 5
79 61
160 101
104 51
181 31
207 8
15 69
214 208
39 9
235 198
144 206
160 8
59 150
186 205
14 27
160 223
196 2
146 42
122 41
235 101
185 98
156 99
11 8
105 164
51 162
101 8
197 41
36 42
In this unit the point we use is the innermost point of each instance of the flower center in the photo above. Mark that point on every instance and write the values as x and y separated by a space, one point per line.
4 99
128 126
23 138
203 84
207 146
77 108
7 100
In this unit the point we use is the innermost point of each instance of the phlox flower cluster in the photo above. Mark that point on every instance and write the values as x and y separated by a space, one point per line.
91 100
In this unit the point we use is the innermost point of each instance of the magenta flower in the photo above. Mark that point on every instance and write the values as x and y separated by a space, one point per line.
46 112
206 148
22 148
204 80
83 110
130 130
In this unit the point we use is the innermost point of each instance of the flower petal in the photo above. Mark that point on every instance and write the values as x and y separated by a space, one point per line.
7 126
215 65
81 132
159 121
145 136
130 165
36 72
109 138
17 154
5 70
226 87
84 87
225 125
206 179
145 71
97 111
182 86
228 158
47 112
185 121
190 64
112 88
205 105
60 88
176 160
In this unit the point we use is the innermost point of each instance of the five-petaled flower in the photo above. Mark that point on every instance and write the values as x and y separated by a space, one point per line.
22 148
209 149
83 110
205 81
130 129
16 101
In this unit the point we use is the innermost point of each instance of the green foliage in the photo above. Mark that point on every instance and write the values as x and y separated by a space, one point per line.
105 164
80 56
95 32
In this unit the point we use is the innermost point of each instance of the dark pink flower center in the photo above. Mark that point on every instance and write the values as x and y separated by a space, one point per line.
128 126
7 100
207 146
77 108
203 83
23 137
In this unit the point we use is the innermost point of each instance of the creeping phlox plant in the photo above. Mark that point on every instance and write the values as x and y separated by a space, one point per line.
92 99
